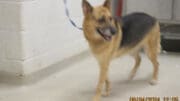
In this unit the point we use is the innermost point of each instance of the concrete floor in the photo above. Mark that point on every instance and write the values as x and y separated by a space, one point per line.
76 79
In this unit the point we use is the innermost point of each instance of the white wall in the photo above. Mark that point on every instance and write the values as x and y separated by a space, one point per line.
176 10
36 33
161 9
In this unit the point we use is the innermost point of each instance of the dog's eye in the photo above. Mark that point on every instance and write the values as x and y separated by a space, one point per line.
101 20
110 18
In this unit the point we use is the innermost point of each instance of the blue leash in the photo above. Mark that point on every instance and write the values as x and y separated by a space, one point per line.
68 15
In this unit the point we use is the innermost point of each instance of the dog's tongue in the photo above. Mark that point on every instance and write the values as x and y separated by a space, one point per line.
108 38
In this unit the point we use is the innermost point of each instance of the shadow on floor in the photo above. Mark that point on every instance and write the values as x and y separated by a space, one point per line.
119 89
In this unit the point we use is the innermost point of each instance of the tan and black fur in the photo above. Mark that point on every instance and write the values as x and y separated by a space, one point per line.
110 37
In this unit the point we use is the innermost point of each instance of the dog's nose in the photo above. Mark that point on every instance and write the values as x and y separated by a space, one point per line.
113 30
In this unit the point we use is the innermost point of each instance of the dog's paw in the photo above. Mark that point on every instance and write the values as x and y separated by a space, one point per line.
96 98
153 82
105 94
131 76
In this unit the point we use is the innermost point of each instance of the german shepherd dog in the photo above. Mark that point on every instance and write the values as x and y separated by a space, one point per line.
110 37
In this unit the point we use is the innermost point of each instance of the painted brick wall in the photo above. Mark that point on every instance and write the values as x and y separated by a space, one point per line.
10 37
36 33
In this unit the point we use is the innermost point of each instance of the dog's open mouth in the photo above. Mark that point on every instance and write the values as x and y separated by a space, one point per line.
105 33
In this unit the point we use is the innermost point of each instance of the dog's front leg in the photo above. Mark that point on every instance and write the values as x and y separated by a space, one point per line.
102 79
107 87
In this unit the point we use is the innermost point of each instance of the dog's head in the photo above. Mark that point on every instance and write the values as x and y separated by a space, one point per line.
98 21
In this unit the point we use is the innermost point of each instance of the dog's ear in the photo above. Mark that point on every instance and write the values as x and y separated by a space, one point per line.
107 4
87 8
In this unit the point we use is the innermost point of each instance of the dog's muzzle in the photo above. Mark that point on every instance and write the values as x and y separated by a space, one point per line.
107 32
